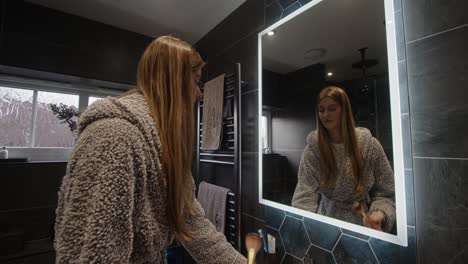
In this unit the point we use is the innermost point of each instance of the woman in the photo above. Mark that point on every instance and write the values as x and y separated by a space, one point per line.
342 165
128 190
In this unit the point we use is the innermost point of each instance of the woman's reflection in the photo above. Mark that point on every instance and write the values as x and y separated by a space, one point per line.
344 165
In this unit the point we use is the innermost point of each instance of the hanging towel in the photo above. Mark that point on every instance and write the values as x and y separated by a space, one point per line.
213 200
213 97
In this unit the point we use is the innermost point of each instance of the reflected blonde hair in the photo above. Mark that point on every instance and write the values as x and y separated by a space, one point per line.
164 78
328 166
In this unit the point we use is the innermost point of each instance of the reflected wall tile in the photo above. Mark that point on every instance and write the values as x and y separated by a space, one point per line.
317 255
389 253
439 111
407 142
321 234
274 217
290 9
303 2
351 250
249 188
300 217
286 3
403 83
400 36
294 237
424 18
409 186
290 259
272 13
249 122
396 5
441 210
355 234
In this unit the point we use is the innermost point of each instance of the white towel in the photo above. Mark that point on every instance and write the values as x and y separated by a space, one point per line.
213 97
213 200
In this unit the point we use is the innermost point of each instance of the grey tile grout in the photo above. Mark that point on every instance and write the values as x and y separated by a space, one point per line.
439 158
362 239
255 90
375 256
336 243
251 216
435 34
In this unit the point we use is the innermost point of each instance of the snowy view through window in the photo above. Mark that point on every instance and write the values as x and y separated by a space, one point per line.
16 111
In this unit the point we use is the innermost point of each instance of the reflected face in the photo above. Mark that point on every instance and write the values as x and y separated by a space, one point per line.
196 76
330 113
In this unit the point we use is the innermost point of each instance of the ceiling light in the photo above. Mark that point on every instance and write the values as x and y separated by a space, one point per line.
271 33
330 74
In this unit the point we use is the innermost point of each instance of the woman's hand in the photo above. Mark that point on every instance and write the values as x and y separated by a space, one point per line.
375 220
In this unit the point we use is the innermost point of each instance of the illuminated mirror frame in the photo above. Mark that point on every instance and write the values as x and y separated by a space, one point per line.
401 237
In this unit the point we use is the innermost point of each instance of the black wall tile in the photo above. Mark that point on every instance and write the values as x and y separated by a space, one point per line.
290 9
403 83
286 3
392 253
317 255
40 38
27 185
407 142
321 234
245 20
303 2
272 13
36 223
294 237
355 234
438 102
397 5
274 217
409 192
424 18
400 36
289 259
249 197
249 122
351 250
441 210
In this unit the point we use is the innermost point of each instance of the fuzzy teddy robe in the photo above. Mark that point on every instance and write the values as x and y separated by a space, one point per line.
112 200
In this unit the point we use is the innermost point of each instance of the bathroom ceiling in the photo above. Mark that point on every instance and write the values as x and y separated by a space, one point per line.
189 20
331 33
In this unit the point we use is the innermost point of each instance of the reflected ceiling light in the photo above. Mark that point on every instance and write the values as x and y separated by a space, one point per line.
271 33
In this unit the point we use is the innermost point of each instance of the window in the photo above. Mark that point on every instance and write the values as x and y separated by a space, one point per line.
16 107
49 131
93 99
26 118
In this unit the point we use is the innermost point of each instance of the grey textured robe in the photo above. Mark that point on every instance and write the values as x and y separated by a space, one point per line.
337 201
112 201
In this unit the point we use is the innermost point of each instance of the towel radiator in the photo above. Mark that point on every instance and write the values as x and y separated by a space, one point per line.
222 167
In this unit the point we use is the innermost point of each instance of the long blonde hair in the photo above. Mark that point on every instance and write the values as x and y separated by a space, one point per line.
328 166
164 78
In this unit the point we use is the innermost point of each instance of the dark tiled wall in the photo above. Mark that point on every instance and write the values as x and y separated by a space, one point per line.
436 40
28 199
39 38
308 241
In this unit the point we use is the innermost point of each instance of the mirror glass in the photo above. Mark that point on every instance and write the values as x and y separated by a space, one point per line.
329 126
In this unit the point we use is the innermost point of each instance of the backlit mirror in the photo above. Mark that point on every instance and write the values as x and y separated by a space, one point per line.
330 145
